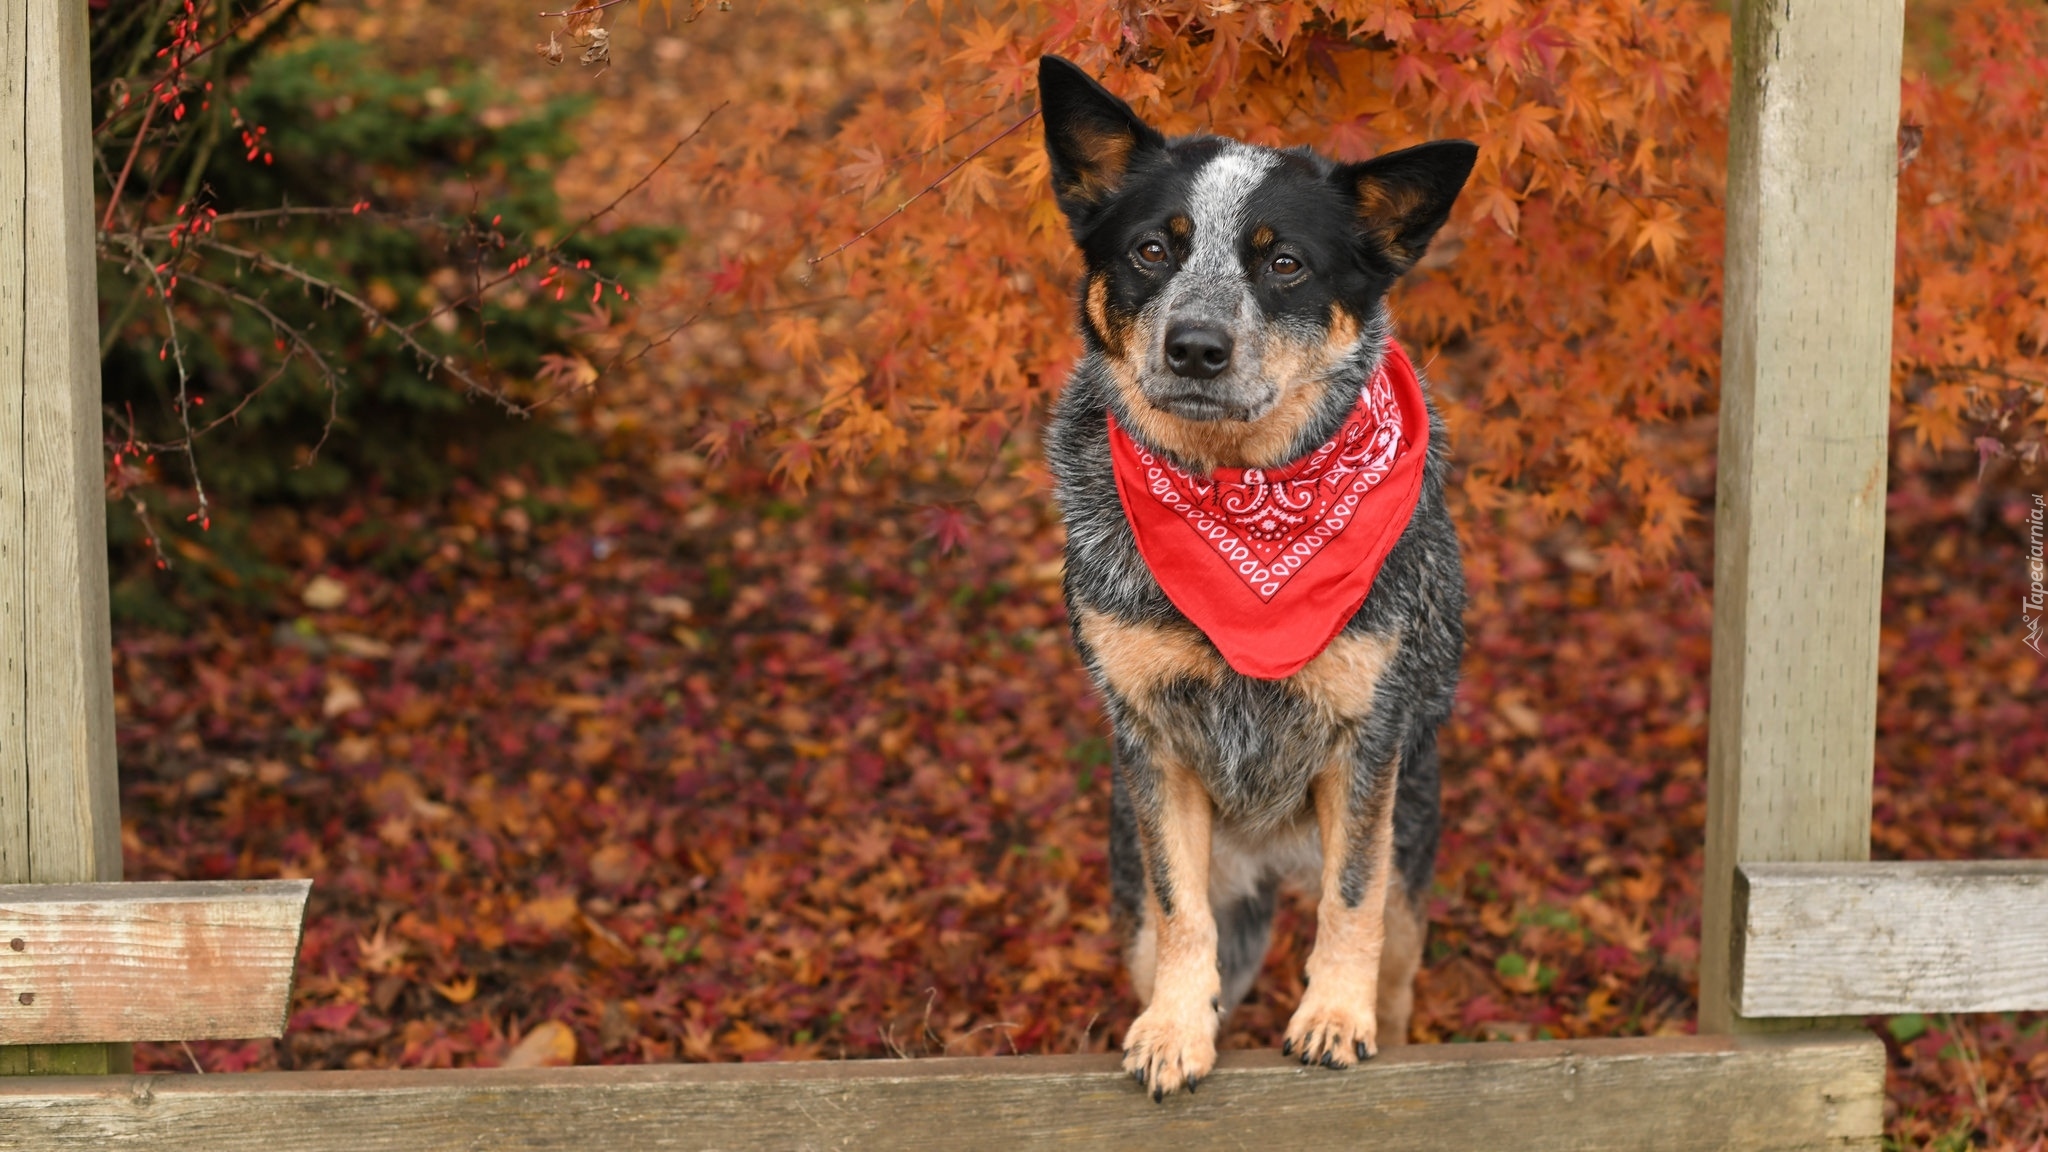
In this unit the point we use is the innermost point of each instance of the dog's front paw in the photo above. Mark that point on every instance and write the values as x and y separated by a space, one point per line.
1332 1030
1166 1051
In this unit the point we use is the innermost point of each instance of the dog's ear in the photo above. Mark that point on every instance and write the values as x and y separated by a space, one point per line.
1092 137
1403 197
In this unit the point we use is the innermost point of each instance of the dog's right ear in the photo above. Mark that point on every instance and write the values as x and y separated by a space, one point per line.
1092 137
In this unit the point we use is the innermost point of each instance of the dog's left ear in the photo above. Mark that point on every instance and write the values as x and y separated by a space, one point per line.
1091 137
1403 197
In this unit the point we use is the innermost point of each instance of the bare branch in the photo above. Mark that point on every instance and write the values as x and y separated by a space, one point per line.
476 295
163 231
568 12
434 361
607 210
177 350
128 165
922 192
298 339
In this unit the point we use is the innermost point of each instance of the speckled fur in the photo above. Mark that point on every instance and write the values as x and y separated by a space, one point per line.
1257 743
1257 747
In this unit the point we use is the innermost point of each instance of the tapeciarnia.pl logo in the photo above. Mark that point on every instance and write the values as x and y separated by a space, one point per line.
2035 609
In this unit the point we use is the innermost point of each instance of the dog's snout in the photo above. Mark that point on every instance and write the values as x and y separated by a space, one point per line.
1197 351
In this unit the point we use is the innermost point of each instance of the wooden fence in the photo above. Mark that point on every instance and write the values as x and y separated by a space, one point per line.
1799 929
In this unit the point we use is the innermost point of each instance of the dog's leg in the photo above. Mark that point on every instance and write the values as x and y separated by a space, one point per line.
1172 1044
1337 1022
1400 960
1127 885
1244 930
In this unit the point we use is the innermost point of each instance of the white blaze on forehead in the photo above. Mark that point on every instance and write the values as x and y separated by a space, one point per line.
1217 205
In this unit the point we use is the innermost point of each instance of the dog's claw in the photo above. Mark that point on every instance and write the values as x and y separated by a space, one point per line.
1287 1047
1359 1047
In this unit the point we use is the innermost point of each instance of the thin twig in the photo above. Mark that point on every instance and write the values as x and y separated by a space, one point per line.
163 231
555 247
238 25
566 12
177 349
328 375
601 213
300 343
181 63
376 316
150 535
907 157
128 165
946 1046
921 193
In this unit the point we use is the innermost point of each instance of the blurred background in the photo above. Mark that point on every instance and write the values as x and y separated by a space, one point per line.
574 493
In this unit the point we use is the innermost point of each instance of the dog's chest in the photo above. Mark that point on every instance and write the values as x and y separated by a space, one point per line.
1256 744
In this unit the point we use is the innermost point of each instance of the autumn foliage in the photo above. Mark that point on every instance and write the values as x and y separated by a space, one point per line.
762 737
1576 297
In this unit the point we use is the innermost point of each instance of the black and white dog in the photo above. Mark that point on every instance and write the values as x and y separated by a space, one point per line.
1235 326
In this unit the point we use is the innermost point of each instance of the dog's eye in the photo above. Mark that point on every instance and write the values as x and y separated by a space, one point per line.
1152 252
1284 265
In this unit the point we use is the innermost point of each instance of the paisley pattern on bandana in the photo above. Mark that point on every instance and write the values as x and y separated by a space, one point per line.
1267 524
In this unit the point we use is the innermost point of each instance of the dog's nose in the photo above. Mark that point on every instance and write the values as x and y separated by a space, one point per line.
1197 351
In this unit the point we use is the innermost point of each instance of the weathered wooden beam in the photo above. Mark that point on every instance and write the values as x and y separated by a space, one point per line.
1859 939
148 961
60 817
1689 1094
1799 505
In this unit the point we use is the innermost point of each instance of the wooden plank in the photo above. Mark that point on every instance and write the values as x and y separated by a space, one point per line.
1799 510
1686 1094
1861 939
156 961
59 802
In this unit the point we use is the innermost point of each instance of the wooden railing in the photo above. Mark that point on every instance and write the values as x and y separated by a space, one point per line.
1798 928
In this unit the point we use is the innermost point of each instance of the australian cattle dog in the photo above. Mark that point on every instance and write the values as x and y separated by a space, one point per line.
1260 571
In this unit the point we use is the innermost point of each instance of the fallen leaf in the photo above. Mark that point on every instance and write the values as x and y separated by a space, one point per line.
324 593
459 991
551 1044
342 696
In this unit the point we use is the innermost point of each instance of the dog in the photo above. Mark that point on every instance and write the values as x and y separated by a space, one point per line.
1236 342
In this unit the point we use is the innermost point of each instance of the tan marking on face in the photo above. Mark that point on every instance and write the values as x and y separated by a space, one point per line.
1096 304
1262 238
1342 679
1400 960
1174 1039
1180 227
1120 331
1137 660
1340 1008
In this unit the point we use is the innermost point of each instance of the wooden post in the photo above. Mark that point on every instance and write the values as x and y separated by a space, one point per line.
1805 384
60 817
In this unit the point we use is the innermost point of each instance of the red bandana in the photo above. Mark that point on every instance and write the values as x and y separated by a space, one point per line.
1271 563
